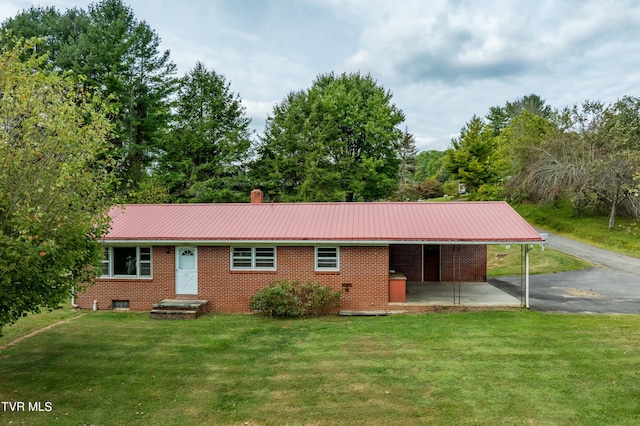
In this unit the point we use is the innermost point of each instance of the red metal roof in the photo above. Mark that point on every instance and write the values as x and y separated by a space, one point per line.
299 222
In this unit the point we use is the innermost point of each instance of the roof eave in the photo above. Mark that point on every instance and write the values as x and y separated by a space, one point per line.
364 242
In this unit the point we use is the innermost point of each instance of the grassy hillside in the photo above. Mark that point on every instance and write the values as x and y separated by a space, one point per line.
503 261
591 228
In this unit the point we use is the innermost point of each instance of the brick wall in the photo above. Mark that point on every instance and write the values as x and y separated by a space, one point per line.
406 258
467 263
365 268
457 262
141 293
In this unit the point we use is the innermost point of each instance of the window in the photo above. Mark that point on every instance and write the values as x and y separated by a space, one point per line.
253 258
130 262
187 259
241 258
124 260
145 261
105 261
265 258
120 304
327 259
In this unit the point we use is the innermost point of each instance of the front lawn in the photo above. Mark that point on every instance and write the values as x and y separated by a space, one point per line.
515 367
34 322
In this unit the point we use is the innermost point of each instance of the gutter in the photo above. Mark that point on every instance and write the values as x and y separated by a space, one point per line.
159 242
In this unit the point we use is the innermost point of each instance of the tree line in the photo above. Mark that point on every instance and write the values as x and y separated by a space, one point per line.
93 114
187 139
588 154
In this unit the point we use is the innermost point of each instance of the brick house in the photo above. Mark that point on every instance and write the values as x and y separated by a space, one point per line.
223 253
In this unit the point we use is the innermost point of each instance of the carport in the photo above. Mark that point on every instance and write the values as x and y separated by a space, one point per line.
429 293
448 265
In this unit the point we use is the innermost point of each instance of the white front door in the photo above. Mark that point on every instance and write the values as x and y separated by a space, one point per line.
186 270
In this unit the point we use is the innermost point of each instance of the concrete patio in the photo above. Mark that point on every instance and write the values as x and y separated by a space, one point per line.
456 294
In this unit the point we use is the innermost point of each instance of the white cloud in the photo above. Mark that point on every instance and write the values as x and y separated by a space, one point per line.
444 60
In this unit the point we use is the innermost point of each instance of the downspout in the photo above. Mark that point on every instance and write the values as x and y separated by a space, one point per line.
73 297
526 275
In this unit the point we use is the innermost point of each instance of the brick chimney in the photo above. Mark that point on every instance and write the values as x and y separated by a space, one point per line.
256 196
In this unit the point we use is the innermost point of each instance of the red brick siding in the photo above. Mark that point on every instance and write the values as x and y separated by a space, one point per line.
365 268
467 263
141 293
406 258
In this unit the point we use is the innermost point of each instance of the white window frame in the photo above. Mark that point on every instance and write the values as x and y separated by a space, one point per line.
142 258
254 259
146 261
106 262
319 268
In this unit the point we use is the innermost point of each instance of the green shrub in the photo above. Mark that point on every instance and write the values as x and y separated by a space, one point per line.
490 192
287 298
451 188
430 189
317 300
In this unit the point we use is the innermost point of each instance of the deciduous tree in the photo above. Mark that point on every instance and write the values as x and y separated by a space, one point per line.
500 117
54 185
430 189
430 165
336 141
593 154
516 148
618 164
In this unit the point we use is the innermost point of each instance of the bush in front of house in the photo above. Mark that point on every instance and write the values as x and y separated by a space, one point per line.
286 298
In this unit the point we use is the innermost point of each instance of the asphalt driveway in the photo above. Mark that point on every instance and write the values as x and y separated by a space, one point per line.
611 286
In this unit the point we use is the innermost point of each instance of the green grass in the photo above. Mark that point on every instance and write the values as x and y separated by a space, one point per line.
456 197
35 322
591 228
516 368
502 261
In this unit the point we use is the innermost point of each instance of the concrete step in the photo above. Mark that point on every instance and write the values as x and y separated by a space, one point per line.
173 314
171 309
180 304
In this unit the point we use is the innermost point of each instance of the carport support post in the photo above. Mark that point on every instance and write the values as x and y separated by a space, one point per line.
527 249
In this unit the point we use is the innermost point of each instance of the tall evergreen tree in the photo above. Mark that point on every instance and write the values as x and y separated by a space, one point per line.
207 149
120 58
470 156
499 117
57 33
407 153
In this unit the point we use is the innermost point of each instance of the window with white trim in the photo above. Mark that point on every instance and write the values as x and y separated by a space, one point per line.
327 258
106 258
253 258
126 262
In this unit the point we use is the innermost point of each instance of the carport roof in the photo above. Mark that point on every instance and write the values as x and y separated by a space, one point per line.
384 223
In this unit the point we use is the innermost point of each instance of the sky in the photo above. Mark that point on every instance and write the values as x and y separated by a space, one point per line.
444 61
